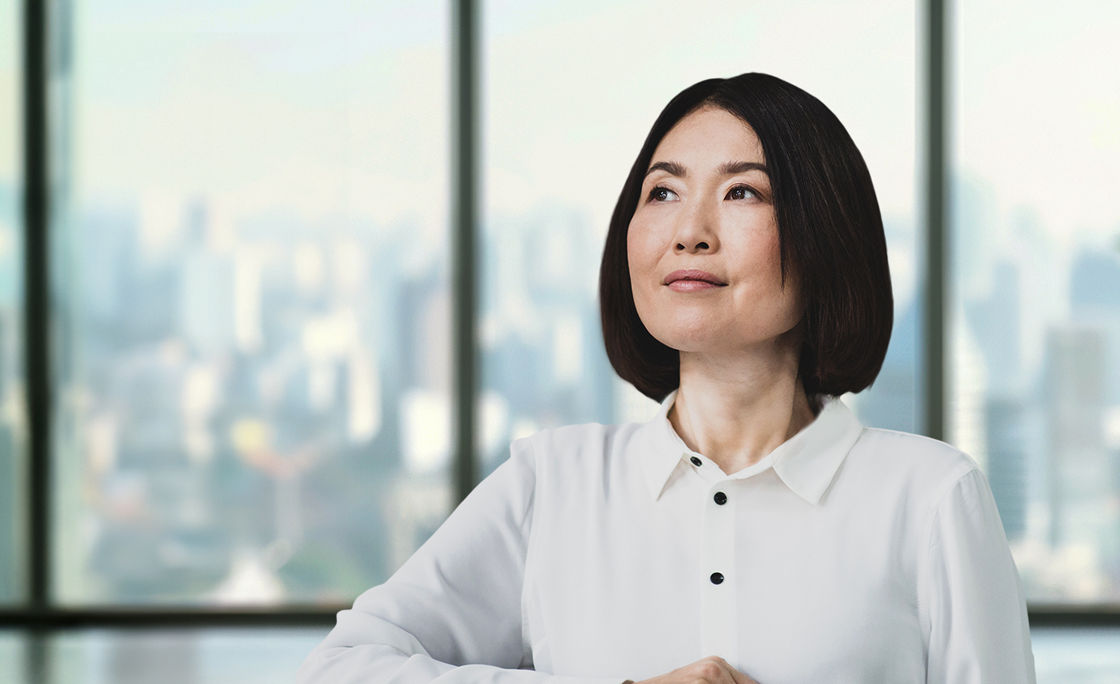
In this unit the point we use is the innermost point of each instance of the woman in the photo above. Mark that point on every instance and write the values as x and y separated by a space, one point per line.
752 530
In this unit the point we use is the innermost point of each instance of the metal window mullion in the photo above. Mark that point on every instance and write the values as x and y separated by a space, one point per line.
464 174
937 229
36 330
103 617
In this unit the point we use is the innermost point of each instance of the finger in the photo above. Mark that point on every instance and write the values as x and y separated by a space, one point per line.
736 676
741 678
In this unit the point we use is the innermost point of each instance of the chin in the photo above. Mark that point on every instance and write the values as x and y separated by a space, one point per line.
707 339
693 340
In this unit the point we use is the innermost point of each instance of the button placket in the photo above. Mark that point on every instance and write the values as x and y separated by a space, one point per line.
719 605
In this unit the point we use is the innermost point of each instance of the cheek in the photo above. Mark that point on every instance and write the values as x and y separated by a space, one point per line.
789 297
768 247
641 255
636 249
765 257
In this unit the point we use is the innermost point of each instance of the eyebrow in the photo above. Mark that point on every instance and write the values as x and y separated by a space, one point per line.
725 169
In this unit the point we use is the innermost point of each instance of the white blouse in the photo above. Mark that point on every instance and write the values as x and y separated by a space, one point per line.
599 553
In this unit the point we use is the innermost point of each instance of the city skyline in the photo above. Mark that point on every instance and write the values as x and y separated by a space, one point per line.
234 401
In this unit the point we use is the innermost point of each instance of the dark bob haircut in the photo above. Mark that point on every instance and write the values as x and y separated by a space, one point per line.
830 232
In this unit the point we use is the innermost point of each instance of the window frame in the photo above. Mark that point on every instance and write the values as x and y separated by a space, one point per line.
39 611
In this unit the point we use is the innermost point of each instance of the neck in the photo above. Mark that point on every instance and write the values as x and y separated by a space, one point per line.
736 410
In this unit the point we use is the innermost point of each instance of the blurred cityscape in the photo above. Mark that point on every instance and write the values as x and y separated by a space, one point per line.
257 411
1036 391
215 403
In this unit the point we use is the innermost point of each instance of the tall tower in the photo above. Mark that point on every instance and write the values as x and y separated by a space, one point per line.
1079 485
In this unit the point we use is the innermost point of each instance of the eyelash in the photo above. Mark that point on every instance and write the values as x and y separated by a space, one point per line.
748 188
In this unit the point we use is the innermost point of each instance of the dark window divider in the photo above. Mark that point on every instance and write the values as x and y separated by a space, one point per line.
936 196
1049 615
36 350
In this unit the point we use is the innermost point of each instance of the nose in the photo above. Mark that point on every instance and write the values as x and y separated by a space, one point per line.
696 231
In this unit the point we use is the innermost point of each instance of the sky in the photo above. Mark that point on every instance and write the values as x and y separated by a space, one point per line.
1036 103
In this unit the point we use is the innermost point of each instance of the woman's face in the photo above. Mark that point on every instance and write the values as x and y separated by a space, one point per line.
695 213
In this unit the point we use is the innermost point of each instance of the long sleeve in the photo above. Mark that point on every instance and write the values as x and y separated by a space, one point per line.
977 613
452 612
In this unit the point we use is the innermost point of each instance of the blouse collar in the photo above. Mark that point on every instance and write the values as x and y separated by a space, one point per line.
806 462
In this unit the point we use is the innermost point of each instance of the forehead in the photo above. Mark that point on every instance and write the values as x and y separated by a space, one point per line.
710 136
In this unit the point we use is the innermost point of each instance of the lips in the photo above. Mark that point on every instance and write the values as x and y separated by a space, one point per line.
693 274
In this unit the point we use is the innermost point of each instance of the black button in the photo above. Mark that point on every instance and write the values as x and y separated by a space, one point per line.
696 461
720 498
717 578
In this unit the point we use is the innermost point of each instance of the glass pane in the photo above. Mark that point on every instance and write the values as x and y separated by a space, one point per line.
254 655
1036 282
13 430
177 656
13 656
1077 655
251 292
558 146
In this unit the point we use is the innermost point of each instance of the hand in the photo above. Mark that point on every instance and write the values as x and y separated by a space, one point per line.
710 670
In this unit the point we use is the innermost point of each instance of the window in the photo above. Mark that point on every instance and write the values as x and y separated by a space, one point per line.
1036 285
251 284
251 299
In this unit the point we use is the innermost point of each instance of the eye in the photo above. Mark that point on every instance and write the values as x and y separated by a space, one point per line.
744 188
655 193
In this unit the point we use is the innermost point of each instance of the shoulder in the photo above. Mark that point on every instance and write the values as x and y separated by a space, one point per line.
925 467
579 450
913 450
581 440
